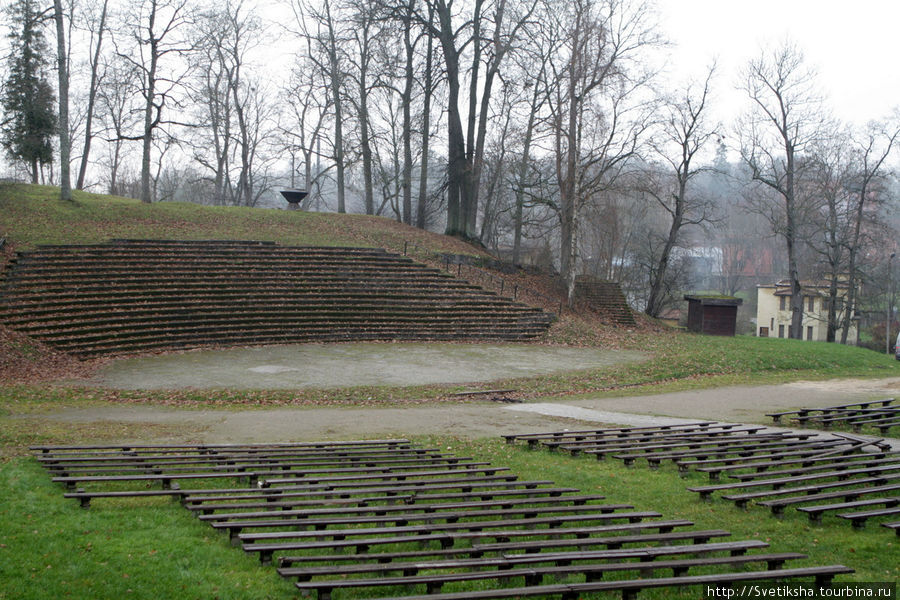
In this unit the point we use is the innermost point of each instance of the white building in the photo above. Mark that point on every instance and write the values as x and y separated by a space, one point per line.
773 311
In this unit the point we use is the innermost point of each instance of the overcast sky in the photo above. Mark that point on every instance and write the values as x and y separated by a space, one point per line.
855 46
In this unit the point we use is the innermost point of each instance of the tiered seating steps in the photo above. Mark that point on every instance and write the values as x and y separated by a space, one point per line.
605 297
130 296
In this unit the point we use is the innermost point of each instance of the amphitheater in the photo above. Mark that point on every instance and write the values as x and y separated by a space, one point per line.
132 296
387 517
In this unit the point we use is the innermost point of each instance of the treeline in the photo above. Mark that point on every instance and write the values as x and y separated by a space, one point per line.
547 130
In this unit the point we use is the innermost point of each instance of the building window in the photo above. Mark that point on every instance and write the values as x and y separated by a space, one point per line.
781 302
772 324
812 304
781 331
809 332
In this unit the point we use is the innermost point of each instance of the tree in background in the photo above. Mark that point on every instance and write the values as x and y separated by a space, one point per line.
784 121
29 122
156 30
96 25
684 133
62 69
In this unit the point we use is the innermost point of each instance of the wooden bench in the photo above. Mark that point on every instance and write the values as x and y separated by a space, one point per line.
741 500
894 525
738 548
601 448
524 506
524 516
84 498
448 540
647 556
268 495
761 462
775 484
533 576
534 438
777 506
648 439
822 577
45 450
264 465
488 470
814 465
406 493
743 448
803 411
815 512
858 519
164 478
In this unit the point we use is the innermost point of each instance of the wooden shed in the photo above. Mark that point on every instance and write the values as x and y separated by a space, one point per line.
712 315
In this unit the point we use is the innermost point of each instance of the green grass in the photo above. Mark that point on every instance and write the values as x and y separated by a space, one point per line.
50 548
32 215
152 548
149 549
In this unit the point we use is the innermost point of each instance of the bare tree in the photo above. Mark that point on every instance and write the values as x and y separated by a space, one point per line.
118 114
304 122
596 115
427 94
62 69
156 29
320 26
870 151
492 31
97 29
363 58
784 120
684 133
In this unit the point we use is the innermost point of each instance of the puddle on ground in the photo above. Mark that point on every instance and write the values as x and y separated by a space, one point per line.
271 369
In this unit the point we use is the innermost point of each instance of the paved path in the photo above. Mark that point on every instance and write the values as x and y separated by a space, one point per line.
741 404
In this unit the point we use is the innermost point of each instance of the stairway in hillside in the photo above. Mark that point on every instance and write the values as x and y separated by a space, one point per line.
605 297
130 296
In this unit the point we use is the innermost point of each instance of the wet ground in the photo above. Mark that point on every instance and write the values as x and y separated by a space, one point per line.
412 364
350 365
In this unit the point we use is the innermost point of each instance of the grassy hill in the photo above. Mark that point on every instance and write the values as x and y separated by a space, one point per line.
32 215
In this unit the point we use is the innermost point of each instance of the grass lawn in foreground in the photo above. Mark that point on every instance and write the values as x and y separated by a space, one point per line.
153 548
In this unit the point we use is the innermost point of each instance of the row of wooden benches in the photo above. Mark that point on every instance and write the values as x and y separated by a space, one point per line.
445 526
878 414
817 475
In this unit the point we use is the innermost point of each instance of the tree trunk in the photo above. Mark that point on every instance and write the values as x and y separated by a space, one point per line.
150 91
426 129
92 99
65 185
338 109
655 300
406 175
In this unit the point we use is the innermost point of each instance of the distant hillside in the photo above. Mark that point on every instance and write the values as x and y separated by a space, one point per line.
31 215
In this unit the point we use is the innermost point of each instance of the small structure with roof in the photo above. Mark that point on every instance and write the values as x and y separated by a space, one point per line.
712 314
